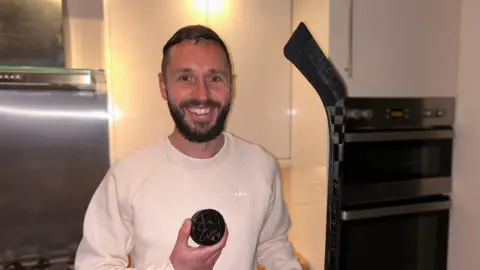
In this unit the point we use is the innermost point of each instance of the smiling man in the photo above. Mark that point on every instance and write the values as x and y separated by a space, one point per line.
197 84
139 217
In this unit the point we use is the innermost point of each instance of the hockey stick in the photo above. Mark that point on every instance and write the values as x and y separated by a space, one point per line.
306 55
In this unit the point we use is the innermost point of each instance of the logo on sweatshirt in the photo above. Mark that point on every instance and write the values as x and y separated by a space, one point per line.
240 193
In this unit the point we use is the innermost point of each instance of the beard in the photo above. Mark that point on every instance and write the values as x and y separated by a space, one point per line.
201 131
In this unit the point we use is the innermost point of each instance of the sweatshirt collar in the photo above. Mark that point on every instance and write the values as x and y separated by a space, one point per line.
186 161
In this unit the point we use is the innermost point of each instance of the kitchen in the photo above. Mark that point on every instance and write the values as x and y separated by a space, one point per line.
117 37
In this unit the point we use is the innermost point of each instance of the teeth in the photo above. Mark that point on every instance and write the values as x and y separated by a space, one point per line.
199 111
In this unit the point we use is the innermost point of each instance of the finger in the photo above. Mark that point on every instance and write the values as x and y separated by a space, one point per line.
223 242
208 251
209 258
184 232
214 257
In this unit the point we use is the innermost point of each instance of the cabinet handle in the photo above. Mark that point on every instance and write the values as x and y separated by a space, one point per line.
396 210
419 135
349 69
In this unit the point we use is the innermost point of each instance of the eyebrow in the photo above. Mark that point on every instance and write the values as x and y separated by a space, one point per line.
216 71
210 71
183 70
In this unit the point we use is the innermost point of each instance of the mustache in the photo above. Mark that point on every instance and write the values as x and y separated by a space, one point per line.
195 102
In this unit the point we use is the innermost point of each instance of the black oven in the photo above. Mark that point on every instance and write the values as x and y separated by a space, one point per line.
396 182
397 164
408 236
397 148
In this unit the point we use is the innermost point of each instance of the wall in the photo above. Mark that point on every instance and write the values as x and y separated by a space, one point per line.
465 221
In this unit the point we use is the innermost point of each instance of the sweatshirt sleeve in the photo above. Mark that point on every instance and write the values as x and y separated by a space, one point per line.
275 252
107 232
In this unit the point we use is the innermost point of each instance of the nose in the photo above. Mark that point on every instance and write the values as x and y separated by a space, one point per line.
201 91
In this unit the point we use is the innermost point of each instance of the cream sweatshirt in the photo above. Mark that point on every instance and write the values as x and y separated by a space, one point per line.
144 198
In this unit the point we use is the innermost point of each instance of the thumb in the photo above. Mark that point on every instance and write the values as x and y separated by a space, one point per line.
184 232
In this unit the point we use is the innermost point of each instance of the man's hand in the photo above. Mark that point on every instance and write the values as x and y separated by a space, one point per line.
184 257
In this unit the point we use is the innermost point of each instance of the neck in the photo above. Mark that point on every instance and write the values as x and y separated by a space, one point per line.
196 150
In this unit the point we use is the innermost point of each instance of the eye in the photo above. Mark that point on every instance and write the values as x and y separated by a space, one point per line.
184 78
216 78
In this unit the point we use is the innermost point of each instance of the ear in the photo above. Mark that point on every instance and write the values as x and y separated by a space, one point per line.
163 87
233 86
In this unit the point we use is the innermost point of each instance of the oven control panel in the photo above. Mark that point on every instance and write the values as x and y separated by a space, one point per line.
393 113
359 113
53 78
10 77
381 113
434 113
397 113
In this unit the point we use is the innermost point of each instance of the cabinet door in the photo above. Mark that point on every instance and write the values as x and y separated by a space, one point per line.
256 32
396 47
135 36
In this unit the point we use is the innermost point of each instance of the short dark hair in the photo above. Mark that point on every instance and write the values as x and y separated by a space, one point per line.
195 33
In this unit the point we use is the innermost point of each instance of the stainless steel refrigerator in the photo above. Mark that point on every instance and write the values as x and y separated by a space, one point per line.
54 151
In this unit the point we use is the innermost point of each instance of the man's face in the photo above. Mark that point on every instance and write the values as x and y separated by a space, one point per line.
197 87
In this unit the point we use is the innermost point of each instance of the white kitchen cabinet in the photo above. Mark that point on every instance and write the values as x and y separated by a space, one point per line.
396 47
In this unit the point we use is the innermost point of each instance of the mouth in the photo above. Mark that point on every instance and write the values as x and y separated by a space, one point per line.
205 114
200 111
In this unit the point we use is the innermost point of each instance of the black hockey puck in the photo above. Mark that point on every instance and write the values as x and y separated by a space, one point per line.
208 227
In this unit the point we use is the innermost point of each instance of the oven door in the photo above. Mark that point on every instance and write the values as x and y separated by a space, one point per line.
406 237
393 165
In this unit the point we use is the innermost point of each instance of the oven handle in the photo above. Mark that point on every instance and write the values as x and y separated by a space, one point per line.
399 135
395 210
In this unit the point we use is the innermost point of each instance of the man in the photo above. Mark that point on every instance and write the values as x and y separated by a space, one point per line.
141 209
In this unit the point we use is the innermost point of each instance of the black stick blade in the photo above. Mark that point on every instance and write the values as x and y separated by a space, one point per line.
306 55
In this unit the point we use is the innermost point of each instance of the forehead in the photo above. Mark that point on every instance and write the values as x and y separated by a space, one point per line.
197 55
